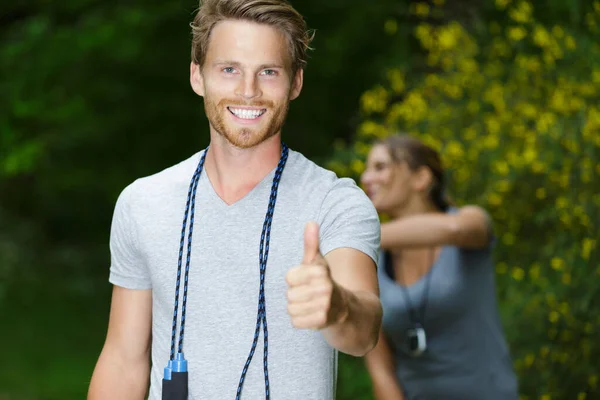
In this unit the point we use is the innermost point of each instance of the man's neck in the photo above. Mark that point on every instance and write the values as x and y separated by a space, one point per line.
234 172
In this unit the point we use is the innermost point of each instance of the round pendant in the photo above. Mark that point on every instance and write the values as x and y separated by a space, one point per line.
416 341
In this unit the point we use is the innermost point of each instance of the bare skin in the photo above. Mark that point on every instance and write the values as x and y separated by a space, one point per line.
247 84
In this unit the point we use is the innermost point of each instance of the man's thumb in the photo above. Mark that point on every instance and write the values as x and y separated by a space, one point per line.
311 242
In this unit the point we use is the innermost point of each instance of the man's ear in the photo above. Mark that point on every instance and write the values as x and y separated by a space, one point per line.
196 79
297 82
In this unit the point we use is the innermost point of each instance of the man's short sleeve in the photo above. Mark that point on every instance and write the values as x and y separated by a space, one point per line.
348 219
127 266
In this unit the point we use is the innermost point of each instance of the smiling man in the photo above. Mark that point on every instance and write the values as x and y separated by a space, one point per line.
241 271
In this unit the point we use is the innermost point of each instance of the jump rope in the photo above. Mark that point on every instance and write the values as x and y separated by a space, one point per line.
175 379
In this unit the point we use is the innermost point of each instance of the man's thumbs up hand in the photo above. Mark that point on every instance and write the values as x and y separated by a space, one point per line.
312 253
315 301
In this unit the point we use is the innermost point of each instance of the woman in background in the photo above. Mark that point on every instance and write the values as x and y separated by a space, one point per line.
442 337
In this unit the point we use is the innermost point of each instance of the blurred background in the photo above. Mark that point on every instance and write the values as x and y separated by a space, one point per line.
94 94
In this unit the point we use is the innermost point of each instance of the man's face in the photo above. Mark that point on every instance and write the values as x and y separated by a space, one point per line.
246 82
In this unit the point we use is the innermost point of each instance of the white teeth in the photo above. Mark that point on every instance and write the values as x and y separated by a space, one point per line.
246 114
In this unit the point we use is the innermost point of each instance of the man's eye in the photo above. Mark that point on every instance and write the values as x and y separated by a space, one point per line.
269 72
229 70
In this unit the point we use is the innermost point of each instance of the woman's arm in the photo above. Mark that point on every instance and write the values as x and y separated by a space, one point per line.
468 228
381 366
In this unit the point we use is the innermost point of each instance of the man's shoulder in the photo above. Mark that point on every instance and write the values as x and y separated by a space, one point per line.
307 173
322 190
163 181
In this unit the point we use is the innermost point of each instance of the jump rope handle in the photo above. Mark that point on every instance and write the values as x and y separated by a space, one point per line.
175 380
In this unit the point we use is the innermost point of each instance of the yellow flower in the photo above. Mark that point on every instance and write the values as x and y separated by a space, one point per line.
516 33
566 219
473 107
454 149
503 185
447 38
553 317
558 31
538 166
470 134
468 66
540 193
521 13
422 9
557 264
396 78
562 202
518 274
357 166
530 155
502 167
361 149
541 37
375 100
534 271
423 32
586 248
528 110
494 199
370 129
501 4
529 358
558 101
570 43
390 27
543 123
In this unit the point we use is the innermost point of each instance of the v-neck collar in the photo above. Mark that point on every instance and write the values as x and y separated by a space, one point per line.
260 188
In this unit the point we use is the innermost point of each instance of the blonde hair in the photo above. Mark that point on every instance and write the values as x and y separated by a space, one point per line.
276 13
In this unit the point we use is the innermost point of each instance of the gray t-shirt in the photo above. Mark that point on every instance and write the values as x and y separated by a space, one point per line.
224 274
467 356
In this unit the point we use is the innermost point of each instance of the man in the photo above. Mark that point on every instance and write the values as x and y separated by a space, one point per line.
315 292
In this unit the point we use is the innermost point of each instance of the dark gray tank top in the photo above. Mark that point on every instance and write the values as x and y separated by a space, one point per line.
467 357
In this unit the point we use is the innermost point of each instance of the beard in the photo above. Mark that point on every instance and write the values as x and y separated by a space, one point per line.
240 136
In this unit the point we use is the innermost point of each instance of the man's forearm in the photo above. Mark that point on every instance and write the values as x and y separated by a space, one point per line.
357 334
115 379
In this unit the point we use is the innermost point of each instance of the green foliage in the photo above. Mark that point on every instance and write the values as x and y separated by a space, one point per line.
513 108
